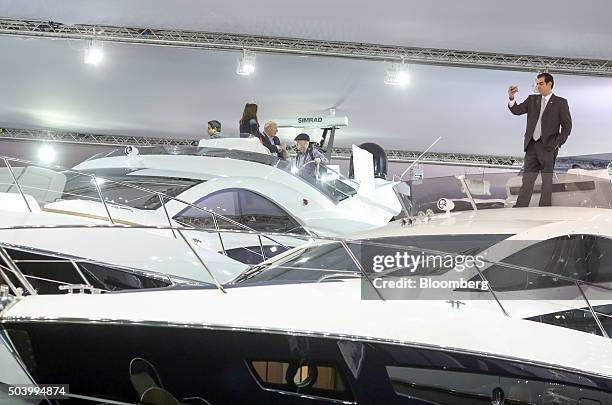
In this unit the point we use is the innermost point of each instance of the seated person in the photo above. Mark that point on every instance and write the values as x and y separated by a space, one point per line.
214 129
308 158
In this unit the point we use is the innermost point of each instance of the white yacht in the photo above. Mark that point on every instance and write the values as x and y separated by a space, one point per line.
235 178
313 325
212 224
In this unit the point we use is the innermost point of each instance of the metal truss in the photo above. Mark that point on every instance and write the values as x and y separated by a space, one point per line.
297 46
89 139
442 158
340 153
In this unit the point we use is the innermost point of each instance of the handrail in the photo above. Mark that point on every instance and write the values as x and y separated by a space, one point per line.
12 264
10 169
593 312
361 272
319 238
360 267
346 274
6 258
161 201
210 273
419 158
344 242
95 182
159 194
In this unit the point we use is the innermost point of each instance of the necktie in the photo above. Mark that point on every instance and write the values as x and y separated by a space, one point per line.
537 133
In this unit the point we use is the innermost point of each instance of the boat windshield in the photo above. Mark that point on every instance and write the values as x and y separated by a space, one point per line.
313 262
566 279
326 180
120 189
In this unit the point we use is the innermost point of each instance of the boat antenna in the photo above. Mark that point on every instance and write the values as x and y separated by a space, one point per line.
419 158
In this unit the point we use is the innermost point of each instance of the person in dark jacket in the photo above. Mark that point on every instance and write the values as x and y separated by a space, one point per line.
271 141
549 124
307 158
249 124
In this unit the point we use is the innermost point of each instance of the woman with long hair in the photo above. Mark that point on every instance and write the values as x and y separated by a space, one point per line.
249 124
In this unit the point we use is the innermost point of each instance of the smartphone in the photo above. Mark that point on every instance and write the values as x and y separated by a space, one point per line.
514 88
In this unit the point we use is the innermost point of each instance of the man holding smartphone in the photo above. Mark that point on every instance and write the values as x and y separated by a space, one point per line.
549 124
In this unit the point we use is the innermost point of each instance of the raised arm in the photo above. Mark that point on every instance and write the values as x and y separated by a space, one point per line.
515 108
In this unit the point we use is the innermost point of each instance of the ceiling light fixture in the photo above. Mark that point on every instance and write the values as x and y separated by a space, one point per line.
46 154
93 53
246 63
398 74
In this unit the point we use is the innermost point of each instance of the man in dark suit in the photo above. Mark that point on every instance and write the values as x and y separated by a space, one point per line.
549 124
271 141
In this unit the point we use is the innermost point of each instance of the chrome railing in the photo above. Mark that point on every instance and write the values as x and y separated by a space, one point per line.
501 298
348 245
12 265
178 233
163 197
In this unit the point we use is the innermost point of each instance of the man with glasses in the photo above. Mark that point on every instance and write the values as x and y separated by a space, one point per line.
549 124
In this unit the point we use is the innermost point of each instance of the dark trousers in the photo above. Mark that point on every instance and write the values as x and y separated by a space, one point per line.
537 159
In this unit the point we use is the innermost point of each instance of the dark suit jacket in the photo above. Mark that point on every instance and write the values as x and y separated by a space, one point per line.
556 120
270 145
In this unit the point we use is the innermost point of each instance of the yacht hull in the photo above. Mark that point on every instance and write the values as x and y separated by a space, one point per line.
236 365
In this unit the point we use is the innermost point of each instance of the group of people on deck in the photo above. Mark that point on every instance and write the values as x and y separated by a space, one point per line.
308 156
549 124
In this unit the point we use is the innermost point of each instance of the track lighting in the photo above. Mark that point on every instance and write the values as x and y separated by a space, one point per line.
246 63
398 74
93 53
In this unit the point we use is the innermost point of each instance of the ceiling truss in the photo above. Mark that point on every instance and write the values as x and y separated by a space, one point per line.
398 156
297 46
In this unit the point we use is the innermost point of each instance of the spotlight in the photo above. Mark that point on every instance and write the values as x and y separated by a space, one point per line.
46 154
246 63
93 53
398 74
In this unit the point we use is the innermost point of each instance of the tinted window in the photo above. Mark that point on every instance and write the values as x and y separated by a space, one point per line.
470 387
580 319
308 264
303 377
582 257
314 262
82 187
253 254
46 273
242 206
